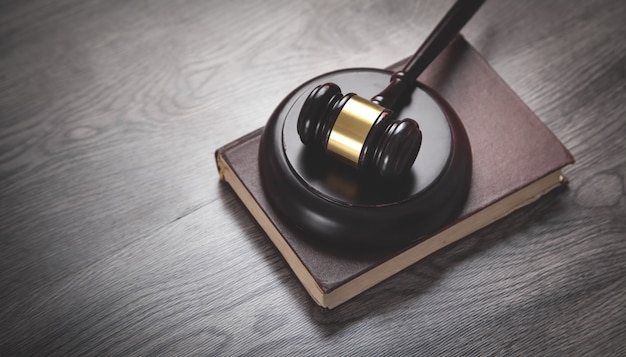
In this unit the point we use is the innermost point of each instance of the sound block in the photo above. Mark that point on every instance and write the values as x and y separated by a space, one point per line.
335 204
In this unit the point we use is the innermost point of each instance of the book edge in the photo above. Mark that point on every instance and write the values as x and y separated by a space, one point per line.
468 225
228 175
457 231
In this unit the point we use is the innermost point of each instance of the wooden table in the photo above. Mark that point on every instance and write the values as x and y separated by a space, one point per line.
117 237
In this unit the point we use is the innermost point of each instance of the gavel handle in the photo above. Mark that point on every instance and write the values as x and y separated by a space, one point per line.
403 82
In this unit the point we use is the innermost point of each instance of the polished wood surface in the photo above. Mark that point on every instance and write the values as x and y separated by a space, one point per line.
117 237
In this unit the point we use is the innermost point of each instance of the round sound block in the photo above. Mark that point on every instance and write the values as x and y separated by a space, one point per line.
333 203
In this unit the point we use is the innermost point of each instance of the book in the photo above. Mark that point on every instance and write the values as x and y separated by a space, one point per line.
516 160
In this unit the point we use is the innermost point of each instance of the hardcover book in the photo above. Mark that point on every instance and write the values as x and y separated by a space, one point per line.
516 160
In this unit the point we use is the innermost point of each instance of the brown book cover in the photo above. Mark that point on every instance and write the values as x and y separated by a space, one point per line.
516 159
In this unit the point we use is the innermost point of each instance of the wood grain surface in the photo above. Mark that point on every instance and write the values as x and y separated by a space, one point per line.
117 237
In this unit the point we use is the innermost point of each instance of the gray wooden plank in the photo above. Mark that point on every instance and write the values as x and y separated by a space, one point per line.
117 237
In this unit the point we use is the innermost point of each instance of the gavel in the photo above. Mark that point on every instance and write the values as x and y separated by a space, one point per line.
367 134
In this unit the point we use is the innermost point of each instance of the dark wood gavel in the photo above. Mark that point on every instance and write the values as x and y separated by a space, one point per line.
367 134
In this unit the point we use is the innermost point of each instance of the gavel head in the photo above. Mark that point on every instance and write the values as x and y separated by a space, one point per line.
359 132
